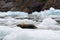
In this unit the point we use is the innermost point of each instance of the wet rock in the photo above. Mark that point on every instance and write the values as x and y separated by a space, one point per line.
5 6
8 5
52 3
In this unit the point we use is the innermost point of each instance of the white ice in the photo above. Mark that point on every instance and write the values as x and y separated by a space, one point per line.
34 35
49 23
53 13
48 29
13 14
5 30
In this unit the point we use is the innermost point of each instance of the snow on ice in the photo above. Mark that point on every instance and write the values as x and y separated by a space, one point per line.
34 35
49 23
47 29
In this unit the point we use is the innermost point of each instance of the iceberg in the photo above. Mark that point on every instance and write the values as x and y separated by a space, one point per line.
48 23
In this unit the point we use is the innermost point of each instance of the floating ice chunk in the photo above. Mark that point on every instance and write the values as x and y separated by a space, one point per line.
2 14
13 22
46 13
2 21
21 14
51 27
49 23
34 35
4 30
35 13
7 21
13 14
54 27
27 21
